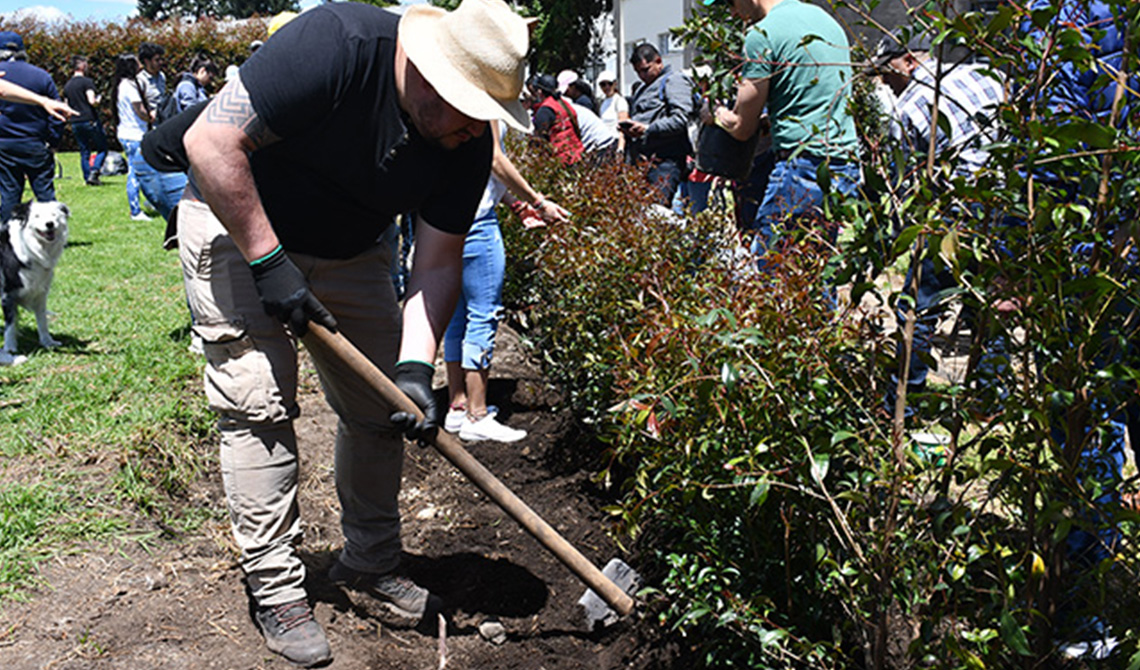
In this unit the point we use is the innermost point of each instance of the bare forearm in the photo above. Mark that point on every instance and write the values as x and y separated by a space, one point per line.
433 290
218 146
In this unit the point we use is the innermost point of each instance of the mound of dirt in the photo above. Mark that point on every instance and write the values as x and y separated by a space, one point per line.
182 604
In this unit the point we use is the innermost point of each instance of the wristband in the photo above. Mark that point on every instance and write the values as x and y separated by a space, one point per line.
266 257
415 360
540 202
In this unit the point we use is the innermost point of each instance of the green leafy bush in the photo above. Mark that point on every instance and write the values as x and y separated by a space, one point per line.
783 518
51 46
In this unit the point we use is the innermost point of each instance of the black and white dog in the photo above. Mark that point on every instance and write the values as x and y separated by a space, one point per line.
30 246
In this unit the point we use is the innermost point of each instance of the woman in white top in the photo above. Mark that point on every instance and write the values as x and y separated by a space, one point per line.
469 341
614 108
132 117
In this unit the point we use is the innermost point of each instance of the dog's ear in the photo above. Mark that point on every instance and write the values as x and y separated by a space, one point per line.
20 211
65 209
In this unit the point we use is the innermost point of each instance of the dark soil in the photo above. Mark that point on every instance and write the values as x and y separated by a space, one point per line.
181 603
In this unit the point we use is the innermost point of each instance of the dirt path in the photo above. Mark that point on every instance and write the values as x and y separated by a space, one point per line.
182 605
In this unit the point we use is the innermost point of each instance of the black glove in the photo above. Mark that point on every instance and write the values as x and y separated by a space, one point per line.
414 379
285 293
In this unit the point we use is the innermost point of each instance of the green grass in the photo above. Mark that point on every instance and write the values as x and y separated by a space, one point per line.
122 390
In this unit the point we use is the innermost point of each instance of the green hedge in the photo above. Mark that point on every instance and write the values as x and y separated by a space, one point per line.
51 46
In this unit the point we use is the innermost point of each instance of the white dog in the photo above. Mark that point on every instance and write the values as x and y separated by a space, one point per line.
30 247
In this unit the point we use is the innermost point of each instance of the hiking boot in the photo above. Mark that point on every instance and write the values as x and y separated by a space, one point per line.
455 416
291 631
94 180
399 595
488 428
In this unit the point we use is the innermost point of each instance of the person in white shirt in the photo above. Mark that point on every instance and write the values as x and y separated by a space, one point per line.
132 117
614 107
598 139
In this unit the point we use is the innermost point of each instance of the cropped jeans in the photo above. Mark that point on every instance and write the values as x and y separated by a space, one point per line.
470 337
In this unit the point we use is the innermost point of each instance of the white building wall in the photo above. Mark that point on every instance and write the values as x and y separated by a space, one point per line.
649 21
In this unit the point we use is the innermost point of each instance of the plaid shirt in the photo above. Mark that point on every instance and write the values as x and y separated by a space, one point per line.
968 102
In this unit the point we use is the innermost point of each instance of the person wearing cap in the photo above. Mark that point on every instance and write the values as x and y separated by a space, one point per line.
555 119
658 129
613 108
348 116
968 96
27 134
797 63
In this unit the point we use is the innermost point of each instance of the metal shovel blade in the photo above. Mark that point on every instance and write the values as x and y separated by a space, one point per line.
597 611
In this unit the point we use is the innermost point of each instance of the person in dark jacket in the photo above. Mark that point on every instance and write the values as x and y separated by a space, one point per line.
658 130
27 134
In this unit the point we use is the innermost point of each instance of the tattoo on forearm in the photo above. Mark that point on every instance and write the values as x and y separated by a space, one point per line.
232 107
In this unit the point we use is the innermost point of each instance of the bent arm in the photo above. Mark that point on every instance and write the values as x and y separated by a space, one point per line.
437 273
680 107
16 93
218 145
743 120
506 172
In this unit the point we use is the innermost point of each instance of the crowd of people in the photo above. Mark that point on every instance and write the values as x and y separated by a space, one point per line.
277 235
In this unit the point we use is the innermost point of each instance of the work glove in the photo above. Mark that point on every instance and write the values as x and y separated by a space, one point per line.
285 293
414 379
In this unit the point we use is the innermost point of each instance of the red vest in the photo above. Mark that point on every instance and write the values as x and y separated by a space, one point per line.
563 133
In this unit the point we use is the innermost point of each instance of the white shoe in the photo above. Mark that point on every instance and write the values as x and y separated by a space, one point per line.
454 419
140 217
488 428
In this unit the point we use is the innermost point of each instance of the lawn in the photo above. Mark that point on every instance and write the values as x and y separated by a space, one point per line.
112 422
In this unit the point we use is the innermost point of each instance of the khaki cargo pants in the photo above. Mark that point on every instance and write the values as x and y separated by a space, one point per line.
251 382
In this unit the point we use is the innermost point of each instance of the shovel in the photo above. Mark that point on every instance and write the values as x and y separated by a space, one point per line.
608 589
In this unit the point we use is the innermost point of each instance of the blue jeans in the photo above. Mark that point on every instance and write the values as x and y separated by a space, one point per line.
162 189
470 337
89 136
750 193
24 159
131 150
665 175
793 192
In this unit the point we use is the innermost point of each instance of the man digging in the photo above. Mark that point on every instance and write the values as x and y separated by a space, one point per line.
349 116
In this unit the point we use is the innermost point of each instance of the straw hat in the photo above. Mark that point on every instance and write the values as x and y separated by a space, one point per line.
473 57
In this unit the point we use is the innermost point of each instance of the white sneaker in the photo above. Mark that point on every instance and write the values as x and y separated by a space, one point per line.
140 217
488 428
454 419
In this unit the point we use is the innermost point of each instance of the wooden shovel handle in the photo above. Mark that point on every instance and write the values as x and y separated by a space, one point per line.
448 445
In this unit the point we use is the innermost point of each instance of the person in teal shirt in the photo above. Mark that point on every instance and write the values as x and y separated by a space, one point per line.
799 66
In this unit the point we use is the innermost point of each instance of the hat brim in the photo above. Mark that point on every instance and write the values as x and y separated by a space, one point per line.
419 42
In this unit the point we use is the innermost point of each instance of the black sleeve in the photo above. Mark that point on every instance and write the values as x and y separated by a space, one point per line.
455 198
297 77
162 147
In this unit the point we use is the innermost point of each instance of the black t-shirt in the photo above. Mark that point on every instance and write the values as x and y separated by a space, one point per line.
349 160
75 94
